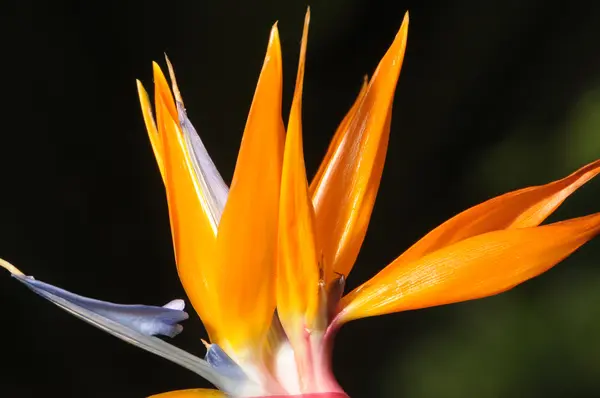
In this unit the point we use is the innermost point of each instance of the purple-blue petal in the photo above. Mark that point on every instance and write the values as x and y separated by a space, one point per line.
145 319
222 363
208 176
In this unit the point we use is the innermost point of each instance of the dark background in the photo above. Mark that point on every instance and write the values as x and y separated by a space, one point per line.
494 95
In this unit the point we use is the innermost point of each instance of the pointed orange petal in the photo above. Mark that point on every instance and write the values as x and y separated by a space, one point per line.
195 393
162 91
338 137
477 267
151 128
247 236
298 272
193 235
213 190
526 207
345 192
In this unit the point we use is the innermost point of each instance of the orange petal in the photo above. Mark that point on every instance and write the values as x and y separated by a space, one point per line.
526 207
298 271
247 236
162 91
213 189
151 128
195 393
345 191
193 235
338 137
477 267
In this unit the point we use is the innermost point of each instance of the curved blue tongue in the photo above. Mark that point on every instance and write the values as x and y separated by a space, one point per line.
146 319
135 324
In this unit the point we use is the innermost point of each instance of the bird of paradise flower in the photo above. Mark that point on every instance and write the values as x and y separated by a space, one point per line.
264 262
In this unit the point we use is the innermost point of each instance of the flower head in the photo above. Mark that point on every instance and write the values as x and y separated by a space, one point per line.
264 261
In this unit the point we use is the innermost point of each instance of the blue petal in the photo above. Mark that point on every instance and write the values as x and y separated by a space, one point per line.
146 319
222 363
99 314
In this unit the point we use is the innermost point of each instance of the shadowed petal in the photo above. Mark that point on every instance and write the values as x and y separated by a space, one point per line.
345 192
298 267
336 141
525 207
476 267
195 393
247 236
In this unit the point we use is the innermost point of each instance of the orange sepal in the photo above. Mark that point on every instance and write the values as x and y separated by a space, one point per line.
163 90
338 137
193 235
525 207
473 268
247 235
298 268
151 128
195 393
345 191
